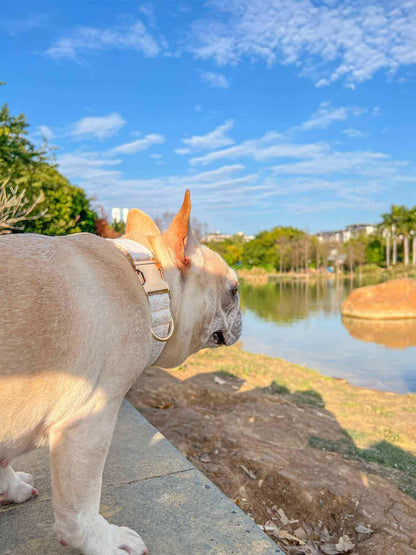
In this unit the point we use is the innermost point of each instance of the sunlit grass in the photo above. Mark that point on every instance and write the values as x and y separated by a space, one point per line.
376 426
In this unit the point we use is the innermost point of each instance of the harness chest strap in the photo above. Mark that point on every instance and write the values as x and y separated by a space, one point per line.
150 274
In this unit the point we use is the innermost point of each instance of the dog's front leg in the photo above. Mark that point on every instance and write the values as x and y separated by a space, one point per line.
78 453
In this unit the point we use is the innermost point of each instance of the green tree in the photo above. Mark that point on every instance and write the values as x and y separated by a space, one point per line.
17 154
65 208
399 222
230 249
278 247
375 251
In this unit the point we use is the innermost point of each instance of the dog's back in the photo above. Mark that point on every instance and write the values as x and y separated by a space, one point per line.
59 297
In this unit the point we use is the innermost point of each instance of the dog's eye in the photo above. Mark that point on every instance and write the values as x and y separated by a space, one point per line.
234 290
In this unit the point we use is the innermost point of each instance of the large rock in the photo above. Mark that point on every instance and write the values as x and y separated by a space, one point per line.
393 299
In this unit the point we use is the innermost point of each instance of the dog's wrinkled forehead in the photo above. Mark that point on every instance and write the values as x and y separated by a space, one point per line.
217 267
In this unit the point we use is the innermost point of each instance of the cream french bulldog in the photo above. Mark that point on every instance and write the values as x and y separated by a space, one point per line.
75 334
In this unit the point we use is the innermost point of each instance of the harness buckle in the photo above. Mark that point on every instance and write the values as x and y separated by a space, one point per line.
151 277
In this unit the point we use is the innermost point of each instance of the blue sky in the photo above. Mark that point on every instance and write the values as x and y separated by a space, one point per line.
273 112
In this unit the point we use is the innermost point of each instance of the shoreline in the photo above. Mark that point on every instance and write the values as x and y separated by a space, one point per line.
277 436
260 276
311 368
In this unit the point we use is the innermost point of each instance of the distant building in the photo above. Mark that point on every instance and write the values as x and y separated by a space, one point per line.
218 237
119 214
329 236
355 230
343 235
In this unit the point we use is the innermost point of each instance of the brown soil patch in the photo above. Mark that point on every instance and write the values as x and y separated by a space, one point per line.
255 444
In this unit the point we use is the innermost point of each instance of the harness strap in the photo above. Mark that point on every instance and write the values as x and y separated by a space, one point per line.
150 274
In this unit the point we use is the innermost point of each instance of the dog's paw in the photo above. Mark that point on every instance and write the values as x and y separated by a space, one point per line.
129 541
95 536
18 489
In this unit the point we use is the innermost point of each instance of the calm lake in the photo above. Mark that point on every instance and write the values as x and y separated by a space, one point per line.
301 321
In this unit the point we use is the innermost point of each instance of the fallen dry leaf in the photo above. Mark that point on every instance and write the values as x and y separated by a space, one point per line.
283 535
283 517
313 548
219 381
271 527
248 472
329 548
361 529
300 533
344 544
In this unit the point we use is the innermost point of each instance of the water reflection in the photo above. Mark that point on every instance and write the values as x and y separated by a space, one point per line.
396 334
300 321
289 300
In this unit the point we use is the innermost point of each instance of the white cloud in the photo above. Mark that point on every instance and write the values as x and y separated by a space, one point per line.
17 26
268 146
213 175
46 132
88 167
283 187
323 179
227 184
182 151
156 156
148 10
345 40
98 127
325 206
353 133
333 162
89 39
214 139
198 108
214 80
138 145
101 177
326 114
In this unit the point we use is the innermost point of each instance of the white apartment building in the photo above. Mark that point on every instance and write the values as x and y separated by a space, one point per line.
218 237
343 235
119 214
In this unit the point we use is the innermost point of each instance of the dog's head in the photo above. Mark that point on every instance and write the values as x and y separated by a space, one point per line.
204 289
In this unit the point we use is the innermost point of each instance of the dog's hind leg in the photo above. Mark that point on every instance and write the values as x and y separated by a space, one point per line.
78 453
15 487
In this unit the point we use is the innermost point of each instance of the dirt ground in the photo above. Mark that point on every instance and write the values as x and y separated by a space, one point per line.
267 450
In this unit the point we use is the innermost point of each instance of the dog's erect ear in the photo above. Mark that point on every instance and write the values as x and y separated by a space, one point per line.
179 235
139 222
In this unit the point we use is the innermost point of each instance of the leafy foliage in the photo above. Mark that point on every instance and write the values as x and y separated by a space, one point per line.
65 208
231 249
289 248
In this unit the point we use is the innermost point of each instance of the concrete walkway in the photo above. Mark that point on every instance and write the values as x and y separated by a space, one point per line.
150 487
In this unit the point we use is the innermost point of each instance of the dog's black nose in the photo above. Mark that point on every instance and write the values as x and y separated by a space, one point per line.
218 337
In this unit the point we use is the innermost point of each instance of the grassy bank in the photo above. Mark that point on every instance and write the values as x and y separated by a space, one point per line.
300 453
376 426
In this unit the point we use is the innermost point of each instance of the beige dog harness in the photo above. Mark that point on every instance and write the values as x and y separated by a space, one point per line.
149 272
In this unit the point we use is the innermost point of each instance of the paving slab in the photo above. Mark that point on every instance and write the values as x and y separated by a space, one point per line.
149 486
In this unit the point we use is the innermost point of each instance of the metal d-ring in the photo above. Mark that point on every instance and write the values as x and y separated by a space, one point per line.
171 330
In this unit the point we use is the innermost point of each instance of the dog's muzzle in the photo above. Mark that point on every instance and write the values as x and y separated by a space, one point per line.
218 337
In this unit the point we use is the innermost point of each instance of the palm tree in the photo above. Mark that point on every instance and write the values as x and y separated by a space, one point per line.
387 249
406 228
412 219
398 221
